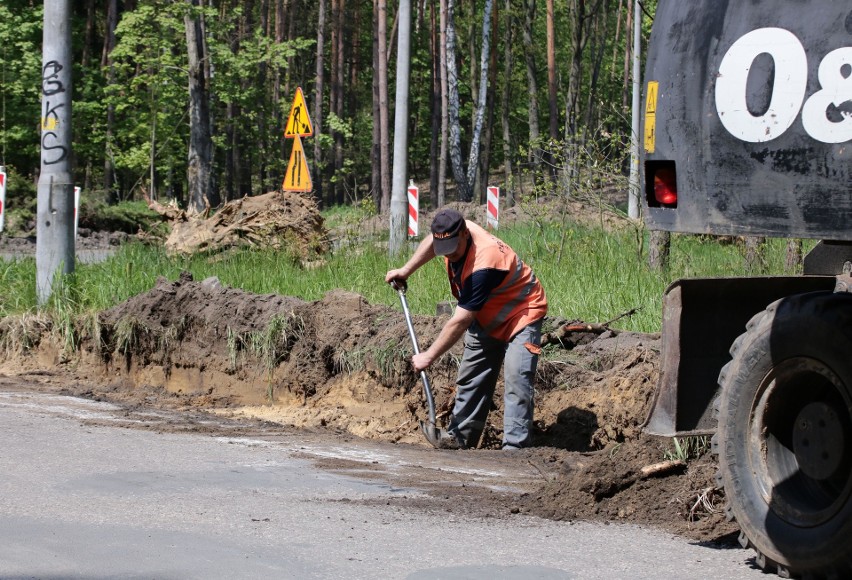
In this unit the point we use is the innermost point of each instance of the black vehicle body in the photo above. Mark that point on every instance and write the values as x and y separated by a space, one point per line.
747 131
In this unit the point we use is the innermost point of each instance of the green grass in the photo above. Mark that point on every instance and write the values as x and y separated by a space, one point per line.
588 274
687 448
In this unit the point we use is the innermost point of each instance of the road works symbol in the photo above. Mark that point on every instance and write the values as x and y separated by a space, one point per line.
298 177
299 122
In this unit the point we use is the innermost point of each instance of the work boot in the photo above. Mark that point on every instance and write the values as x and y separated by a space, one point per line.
450 440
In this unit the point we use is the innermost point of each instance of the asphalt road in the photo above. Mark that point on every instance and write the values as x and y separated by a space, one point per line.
88 490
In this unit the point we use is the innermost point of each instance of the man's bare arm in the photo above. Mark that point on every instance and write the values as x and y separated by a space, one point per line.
453 330
422 255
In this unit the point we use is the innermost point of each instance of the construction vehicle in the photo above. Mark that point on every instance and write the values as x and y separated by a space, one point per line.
747 131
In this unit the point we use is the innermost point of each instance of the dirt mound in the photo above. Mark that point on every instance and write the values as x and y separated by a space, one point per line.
280 220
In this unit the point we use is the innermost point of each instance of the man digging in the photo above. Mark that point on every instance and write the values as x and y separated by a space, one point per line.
500 309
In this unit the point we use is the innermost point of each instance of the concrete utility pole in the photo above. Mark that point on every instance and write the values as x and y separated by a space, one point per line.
55 209
399 197
633 194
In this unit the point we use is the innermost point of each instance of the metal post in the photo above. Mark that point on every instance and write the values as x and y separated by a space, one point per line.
633 190
55 204
399 196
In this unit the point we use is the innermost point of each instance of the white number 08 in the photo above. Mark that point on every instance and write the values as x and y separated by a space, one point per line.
788 92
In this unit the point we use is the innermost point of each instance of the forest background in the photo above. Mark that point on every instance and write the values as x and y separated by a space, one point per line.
527 94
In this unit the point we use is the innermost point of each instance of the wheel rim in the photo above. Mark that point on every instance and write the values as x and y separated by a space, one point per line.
801 426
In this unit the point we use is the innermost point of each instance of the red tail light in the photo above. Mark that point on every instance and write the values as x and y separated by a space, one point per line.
665 186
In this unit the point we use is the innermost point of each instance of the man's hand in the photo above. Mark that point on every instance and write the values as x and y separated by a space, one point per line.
421 361
453 330
399 274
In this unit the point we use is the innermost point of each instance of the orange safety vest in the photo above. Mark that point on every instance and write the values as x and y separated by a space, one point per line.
518 301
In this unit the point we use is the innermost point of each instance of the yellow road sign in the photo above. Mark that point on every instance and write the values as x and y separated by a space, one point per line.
299 122
298 176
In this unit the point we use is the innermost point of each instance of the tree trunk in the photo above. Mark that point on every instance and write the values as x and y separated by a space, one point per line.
262 121
599 41
445 119
485 163
627 85
318 95
575 77
200 179
532 88
575 74
465 179
434 101
281 149
232 163
453 85
472 68
793 259
242 153
473 159
755 254
508 62
551 73
384 118
89 37
340 184
333 95
112 196
353 89
291 36
659 248
376 149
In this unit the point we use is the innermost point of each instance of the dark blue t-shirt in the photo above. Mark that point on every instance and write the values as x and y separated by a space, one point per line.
479 285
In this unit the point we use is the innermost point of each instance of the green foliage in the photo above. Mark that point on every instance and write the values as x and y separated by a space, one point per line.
128 331
20 209
149 93
20 84
18 280
687 448
63 308
129 217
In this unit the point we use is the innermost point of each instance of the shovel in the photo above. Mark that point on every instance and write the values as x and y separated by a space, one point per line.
431 431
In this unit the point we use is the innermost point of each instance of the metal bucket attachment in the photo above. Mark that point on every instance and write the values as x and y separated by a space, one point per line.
701 319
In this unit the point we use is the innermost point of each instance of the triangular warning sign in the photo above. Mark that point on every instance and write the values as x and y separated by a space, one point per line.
299 122
298 176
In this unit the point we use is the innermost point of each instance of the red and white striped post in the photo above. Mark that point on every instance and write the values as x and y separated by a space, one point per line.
2 196
492 207
76 209
413 209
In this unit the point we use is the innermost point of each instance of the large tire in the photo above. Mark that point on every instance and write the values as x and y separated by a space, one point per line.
784 437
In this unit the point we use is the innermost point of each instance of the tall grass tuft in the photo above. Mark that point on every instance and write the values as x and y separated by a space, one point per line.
588 273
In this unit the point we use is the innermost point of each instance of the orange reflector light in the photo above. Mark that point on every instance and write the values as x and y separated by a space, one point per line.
665 186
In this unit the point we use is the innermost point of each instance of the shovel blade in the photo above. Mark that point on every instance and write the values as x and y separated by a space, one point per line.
437 437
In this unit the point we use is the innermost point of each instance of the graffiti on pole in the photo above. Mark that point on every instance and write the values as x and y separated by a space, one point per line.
50 140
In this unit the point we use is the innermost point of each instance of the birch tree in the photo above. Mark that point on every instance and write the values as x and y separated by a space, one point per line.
466 177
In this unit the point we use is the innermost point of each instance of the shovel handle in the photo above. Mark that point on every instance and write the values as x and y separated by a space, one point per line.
400 286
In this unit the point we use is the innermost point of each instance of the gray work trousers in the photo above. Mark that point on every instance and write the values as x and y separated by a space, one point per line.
477 378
